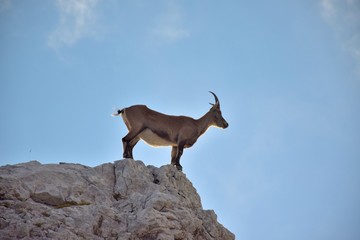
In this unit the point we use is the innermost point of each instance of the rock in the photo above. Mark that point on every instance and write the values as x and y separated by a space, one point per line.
124 200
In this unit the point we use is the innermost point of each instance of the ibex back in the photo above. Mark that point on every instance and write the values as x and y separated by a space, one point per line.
158 129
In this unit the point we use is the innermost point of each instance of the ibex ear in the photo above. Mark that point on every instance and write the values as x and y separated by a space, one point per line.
214 106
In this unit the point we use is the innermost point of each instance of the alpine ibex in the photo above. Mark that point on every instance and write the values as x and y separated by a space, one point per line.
158 129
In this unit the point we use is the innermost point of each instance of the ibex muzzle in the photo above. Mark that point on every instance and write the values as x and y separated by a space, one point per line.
158 129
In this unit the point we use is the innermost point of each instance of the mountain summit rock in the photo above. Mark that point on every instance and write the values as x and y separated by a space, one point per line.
123 200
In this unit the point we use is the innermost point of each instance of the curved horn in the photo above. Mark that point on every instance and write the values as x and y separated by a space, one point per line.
216 98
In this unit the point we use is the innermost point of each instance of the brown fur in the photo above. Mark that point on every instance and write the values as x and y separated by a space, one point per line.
158 129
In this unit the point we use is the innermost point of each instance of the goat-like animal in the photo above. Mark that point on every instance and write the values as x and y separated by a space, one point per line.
158 129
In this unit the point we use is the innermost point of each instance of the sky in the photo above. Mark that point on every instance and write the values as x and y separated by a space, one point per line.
287 74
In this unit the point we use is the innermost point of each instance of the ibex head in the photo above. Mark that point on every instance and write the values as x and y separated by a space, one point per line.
215 113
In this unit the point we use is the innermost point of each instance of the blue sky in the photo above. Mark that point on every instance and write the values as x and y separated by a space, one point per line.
287 74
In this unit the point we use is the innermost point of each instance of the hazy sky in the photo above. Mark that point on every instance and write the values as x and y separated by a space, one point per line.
287 74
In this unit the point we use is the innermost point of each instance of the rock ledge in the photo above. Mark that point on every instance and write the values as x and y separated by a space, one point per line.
124 200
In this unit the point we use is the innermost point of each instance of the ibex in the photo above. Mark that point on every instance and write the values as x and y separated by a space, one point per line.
158 129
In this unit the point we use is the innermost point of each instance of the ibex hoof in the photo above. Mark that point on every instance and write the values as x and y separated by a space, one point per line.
179 167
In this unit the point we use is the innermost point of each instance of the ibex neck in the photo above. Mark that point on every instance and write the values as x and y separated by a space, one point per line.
204 123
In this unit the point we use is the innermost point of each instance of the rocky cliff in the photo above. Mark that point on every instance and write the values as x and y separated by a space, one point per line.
123 200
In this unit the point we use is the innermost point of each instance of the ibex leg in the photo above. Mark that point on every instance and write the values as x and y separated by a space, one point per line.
132 145
173 155
176 153
129 141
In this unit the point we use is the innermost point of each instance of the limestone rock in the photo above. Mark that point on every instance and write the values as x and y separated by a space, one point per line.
124 200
